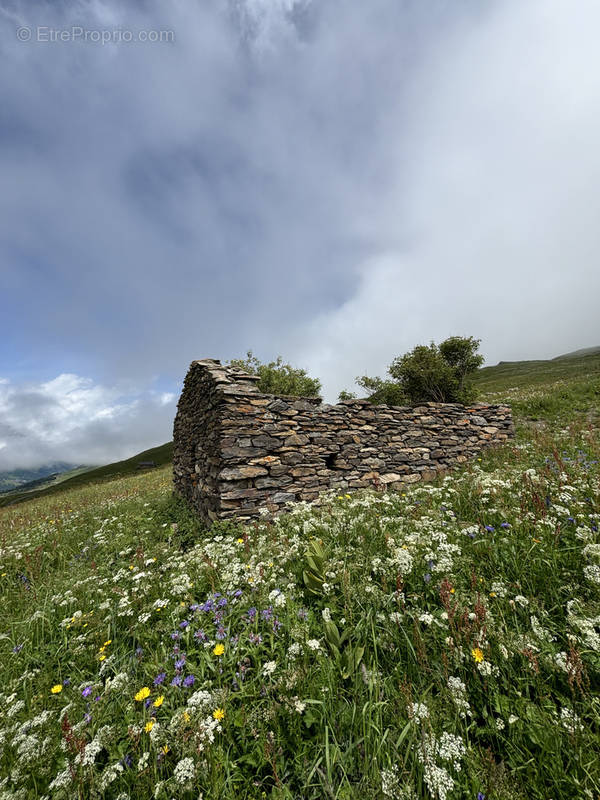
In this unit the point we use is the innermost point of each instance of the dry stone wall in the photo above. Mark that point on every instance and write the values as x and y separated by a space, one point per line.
238 452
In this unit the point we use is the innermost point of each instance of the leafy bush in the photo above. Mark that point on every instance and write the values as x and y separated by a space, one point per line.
276 377
427 373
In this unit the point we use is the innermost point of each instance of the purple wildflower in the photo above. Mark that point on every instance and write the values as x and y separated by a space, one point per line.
427 577
188 681
200 635
160 678
176 680
17 648
180 664
251 613
183 624
87 691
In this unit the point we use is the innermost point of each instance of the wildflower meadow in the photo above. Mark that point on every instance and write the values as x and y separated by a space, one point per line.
438 643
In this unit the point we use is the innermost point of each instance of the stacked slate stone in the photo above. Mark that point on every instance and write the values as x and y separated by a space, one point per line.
240 454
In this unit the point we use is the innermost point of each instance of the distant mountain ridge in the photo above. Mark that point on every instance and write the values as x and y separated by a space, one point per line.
19 478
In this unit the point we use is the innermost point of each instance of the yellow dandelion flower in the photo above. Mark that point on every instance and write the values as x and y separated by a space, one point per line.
57 688
219 714
143 693
219 649
149 725
102 658
107 642
477 654
452 590
492 594
166 749
240 541
186 716
159 701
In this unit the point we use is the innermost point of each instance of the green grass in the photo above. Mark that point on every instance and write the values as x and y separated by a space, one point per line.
160 455
530 374
377 646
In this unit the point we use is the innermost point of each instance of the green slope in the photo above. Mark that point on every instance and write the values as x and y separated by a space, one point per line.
583 364
160 455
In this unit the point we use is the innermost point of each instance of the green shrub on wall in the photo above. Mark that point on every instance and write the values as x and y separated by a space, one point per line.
277 377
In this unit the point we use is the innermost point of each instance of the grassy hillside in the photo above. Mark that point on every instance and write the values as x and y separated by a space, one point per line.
510 375
439 643
160 455
546 390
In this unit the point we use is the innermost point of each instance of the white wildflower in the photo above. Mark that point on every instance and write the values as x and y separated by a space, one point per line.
185 771
418 712
522 601
269 668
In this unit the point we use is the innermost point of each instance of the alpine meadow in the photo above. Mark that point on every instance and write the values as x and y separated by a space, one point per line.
439 642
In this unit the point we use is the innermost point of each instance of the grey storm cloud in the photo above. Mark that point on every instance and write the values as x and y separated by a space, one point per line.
335 181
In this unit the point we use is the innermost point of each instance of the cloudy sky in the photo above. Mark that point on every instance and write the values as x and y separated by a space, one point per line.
332 180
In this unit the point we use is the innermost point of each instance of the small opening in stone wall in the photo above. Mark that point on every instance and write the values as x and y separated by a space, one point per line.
330 460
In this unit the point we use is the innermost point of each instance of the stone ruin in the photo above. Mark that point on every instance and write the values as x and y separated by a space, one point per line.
240 454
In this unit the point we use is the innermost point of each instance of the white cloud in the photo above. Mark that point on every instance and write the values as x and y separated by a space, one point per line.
486 224
71 418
